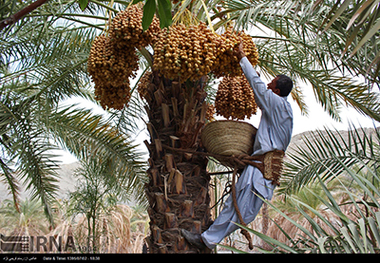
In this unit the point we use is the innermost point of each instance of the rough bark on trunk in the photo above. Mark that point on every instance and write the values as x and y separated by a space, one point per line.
178 182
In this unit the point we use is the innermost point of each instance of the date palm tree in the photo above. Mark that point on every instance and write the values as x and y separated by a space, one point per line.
30 220
296 42
294 47
100 186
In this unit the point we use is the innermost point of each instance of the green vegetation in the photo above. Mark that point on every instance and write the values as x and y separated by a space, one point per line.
329 196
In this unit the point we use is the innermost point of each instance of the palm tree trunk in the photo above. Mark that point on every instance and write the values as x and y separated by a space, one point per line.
94 234
88 230
178 182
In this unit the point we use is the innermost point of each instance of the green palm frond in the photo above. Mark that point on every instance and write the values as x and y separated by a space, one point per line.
37 72
360 21
38 171
290 41
333 91
53 64
25 145
359 235
43 62
331 28
29 216
324 155
80 131
11 182
330 89
8 176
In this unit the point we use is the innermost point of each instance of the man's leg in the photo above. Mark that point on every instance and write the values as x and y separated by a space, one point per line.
249 205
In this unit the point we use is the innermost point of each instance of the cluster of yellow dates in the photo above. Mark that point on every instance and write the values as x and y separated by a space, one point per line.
181 53
113 58
235 98
190 52
185 52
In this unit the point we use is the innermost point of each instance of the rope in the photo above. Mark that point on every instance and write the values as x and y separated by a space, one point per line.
243 231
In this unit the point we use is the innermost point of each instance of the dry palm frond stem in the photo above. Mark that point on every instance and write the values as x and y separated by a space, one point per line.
234 201
270 164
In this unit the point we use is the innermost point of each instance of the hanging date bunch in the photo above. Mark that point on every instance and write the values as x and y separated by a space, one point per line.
143 86
126 29
189 52
110 69
235 98
113 59
226 63
210 112
185 52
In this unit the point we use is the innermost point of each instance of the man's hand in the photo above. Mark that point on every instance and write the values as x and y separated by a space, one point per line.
240 52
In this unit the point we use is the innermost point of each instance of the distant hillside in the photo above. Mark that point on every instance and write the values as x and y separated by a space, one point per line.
68 181
298 140
66 184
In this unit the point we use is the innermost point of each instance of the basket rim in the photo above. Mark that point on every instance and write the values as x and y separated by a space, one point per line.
240 121
207 135
231 121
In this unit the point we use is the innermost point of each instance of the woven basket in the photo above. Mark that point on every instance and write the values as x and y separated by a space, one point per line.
229 137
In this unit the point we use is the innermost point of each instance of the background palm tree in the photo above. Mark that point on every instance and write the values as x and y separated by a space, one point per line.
327 153
291 205
30 220
119 228
101 185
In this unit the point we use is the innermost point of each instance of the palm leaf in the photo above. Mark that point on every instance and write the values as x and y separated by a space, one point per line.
362 27
296 47
43 62
11 182
327 154
26 146
80 131
349 237
273 242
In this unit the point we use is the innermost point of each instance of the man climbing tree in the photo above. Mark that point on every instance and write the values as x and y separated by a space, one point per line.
272 138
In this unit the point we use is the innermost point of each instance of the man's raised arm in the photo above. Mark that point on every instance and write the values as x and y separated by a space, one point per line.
262 96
